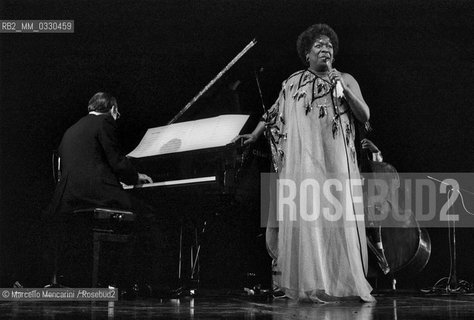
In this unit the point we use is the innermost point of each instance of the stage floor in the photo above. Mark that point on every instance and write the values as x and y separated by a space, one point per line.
224 306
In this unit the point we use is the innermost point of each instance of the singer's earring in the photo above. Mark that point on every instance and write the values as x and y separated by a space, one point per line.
307 59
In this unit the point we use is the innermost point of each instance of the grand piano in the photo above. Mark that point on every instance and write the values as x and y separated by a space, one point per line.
200 151
208 203
204 187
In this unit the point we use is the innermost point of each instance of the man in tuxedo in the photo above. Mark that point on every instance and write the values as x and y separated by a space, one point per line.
92 166
91 169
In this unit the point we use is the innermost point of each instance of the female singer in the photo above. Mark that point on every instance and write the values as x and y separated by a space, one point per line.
321 250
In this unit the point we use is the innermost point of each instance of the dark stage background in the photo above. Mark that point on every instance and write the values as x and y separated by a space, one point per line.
412 59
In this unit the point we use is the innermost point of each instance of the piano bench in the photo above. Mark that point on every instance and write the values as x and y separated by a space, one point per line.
109 225
98 237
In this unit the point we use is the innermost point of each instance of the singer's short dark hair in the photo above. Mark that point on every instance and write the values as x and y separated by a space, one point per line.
307 38
101 102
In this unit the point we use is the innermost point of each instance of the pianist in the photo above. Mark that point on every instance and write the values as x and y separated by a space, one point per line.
91 169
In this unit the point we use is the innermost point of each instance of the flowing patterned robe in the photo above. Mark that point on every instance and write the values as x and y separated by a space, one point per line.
321 243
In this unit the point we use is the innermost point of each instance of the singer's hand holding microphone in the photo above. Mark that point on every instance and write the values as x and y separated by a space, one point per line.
334 75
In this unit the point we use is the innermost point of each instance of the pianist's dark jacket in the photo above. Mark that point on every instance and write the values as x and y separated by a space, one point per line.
92 167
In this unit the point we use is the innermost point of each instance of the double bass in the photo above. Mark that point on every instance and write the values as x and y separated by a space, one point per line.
407 246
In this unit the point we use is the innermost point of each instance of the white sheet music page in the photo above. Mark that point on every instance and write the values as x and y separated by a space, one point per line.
191 135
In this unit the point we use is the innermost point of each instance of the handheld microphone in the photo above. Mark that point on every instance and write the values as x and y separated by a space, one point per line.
336 83
329 64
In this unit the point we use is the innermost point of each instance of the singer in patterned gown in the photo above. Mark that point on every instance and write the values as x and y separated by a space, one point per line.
319 243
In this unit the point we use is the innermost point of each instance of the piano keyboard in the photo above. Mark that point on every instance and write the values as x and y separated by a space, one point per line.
181 182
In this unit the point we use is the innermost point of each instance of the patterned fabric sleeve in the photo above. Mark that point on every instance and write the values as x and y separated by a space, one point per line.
274 128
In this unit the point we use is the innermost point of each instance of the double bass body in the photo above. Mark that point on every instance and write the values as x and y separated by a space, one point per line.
407 246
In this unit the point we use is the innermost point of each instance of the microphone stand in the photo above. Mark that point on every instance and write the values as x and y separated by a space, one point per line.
450 284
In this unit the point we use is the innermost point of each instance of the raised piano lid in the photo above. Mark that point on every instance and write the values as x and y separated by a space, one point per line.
190 135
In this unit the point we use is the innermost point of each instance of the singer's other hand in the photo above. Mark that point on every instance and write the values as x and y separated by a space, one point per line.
367 144
247 138
143 178
335 76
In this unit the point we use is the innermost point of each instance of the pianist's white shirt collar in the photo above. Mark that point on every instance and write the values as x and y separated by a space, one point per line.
95 113
113 111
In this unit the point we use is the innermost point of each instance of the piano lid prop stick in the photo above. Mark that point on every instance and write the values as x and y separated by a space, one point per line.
211 83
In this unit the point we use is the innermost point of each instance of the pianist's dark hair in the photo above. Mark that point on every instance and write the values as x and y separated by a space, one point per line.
101 102
307 38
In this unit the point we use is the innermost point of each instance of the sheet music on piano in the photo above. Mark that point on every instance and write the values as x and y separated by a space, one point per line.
190 135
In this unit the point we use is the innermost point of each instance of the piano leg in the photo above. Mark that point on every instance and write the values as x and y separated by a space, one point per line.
190 285
180 259
195 259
